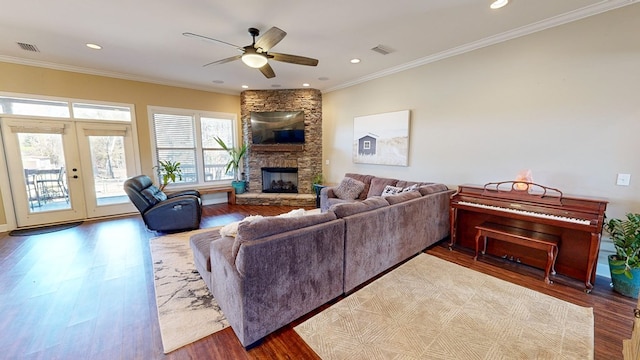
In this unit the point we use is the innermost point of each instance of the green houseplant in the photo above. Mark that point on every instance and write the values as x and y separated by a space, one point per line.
168 171
625 263
235 156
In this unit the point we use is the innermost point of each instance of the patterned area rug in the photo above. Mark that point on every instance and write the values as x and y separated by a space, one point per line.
186 309
429 308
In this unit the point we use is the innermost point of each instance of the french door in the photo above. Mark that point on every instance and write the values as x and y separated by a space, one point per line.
63 171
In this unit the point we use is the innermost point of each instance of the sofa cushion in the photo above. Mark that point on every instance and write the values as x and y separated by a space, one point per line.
200 245
391 190
378 185
349 189
347 209
153 195
432 188
270 225
402 197
366 179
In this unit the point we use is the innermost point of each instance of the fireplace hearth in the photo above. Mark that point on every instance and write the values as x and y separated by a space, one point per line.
279 180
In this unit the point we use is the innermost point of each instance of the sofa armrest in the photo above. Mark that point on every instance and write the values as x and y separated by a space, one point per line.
178 213
326 193
195 193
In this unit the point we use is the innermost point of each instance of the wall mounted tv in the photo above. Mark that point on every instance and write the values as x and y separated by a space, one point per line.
277 127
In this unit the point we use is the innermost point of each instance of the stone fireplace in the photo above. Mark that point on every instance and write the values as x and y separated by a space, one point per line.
306 158
280 180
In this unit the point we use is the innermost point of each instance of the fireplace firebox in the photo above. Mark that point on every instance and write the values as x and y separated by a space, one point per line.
279 180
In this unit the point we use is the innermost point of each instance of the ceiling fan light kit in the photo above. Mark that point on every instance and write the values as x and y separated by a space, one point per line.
497 4
252 59
256 55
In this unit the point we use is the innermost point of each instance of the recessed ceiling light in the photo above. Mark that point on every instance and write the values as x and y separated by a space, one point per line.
245 86
94 46
306 85
355 60
497 4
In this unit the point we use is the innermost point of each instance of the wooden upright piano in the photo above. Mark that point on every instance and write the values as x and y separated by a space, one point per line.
576 221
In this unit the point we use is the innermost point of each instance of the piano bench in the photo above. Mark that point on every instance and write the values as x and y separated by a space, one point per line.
523 237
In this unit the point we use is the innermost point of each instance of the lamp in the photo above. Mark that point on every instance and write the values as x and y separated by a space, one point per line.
253 59
497 4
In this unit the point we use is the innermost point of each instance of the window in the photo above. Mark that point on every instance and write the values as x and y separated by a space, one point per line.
64 109
187 137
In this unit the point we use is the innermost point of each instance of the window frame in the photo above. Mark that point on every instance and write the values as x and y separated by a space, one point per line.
196 116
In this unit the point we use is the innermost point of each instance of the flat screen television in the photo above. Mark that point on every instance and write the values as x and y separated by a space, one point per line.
277 127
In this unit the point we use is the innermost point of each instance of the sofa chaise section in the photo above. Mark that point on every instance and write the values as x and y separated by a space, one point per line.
276 270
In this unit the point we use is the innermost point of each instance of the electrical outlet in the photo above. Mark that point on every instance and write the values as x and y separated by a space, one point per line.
327 162
623 179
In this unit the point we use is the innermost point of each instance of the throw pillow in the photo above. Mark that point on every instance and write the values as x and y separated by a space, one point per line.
366 179
378 185
349 189
413 187
232 229
402 197
391 190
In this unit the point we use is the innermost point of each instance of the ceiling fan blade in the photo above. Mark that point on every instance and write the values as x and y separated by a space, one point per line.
205 38
294 59
224 61
270 39
267 71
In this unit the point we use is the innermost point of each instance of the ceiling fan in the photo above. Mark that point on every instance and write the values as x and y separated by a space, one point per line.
257 54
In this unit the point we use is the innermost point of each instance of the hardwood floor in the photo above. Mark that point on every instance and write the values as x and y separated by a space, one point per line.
87 293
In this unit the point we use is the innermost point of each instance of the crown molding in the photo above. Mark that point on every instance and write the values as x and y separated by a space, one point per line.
587 11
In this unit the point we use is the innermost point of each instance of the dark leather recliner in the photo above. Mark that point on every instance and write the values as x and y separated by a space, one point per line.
161 212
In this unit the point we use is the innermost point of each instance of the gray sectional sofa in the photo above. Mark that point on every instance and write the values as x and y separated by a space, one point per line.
276 270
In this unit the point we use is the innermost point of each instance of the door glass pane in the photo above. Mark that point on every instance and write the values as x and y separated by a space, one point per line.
101 112
44 171
109 169
34 107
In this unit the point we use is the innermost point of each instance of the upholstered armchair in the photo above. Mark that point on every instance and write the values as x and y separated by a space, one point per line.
161 212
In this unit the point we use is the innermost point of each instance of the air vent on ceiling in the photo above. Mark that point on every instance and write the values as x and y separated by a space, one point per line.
28 47
381 49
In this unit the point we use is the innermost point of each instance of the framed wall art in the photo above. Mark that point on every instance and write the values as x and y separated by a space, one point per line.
381 139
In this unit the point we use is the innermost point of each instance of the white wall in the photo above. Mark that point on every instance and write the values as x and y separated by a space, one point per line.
563 102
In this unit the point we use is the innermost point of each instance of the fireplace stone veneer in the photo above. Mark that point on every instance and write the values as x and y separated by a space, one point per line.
307 157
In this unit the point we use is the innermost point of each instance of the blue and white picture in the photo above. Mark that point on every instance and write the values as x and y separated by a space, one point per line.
381 139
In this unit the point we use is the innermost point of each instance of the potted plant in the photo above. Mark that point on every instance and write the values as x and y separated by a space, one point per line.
168 171
235 155
316 185
625 263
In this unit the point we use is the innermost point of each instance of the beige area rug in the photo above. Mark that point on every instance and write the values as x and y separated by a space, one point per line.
429 308
186 309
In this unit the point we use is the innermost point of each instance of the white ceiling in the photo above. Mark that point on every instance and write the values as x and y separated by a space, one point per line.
142 39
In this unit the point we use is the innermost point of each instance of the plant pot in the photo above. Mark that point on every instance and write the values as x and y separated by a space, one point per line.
239 186
621 283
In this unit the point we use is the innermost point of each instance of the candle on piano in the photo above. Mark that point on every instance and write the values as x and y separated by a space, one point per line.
524 176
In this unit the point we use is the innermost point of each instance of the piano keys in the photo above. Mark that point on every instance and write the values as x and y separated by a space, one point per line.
577 221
